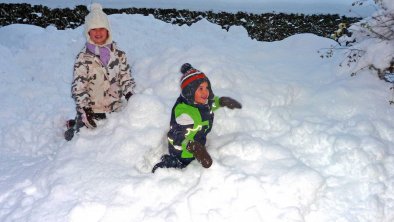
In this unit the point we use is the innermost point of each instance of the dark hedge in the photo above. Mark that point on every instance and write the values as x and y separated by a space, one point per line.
262 27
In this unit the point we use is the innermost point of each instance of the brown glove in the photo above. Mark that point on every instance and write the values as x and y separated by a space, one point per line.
229 103
200 153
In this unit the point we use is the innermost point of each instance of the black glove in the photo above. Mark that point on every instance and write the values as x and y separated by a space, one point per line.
229 102
200 153
128 95
87 118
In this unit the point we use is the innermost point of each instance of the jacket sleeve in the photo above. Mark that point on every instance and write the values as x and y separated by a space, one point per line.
178 133
215 104
127 82
183 122
79 88
190 121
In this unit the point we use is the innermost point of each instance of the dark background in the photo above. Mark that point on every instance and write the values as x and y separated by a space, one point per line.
262 27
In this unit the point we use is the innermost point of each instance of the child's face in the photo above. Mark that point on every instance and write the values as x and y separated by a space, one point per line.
202 93
99 36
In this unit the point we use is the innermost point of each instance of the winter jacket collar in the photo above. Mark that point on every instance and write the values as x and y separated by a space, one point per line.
103 52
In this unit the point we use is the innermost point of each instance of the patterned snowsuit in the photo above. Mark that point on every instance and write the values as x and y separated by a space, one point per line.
101 87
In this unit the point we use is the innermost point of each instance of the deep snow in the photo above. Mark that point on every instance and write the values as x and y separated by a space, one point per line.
310 144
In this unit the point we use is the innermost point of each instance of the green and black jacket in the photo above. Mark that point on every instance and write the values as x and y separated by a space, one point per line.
190 122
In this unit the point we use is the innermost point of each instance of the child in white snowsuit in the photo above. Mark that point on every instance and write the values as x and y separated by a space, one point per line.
191 120
102 74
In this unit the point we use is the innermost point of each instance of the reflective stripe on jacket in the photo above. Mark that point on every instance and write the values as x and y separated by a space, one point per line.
190 123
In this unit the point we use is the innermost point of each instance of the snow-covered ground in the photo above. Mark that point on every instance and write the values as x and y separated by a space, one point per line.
310 144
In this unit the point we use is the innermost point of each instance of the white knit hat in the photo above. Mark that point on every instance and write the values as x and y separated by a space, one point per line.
97 19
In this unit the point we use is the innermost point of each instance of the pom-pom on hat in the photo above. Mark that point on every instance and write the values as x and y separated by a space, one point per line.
190 80
97 19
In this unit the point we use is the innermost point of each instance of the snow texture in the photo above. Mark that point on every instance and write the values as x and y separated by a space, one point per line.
311 143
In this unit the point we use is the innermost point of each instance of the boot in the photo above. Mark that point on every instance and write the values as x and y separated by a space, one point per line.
168 161
73 126
70 123
69 134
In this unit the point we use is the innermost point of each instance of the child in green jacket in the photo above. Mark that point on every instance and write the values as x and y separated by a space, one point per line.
191 120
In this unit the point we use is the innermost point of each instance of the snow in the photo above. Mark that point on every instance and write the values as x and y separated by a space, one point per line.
310 144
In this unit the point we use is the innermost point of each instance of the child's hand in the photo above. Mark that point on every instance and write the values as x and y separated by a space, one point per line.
87 118
229 103
128 95
200 153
